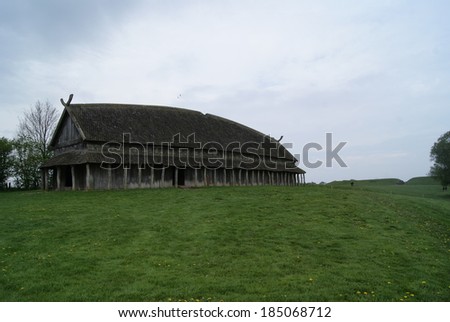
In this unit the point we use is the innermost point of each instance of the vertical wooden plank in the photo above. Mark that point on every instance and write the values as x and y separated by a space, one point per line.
42 179
163 177
58 178
44 176
72 172
125 177
152 177
88 177
139 176
176 177
109 176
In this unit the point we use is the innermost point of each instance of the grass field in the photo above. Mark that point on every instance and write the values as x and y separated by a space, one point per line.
313 243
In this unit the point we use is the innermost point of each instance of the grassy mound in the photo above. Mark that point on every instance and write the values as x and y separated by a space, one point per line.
315 243
423 181
368 182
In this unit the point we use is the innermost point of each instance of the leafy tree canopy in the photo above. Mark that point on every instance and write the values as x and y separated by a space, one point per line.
440 155
6 160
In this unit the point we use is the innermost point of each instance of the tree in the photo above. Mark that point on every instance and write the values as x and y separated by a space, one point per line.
6 160
27 159
440 155
38 125
31 144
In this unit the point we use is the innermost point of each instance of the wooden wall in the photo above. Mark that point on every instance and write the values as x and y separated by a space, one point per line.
92 176
68 134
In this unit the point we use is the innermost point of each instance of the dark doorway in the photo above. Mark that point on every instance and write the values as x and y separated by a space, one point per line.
180 178
68 177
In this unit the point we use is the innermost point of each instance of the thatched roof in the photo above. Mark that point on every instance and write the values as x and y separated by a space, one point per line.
101 123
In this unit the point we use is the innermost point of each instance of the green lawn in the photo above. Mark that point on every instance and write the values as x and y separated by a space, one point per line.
313 243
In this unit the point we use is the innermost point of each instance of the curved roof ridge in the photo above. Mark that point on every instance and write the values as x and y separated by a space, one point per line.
223 119
125 105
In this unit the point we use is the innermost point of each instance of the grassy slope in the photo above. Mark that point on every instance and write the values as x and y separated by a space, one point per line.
423 181
414 187
370 182
231 244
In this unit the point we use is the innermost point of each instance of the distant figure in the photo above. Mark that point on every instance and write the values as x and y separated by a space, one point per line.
352 183
444 188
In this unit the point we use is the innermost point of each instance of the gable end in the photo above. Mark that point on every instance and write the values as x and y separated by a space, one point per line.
66 134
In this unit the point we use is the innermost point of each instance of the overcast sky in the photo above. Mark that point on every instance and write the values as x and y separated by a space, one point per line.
375 74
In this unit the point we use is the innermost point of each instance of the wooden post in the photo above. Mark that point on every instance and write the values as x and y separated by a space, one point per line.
152 177
58 178
240 177
88 177
125 177
44 175
195 177
205 179
176 177
163 177
224 176
139 176
42 179
109 176
215 177
72 173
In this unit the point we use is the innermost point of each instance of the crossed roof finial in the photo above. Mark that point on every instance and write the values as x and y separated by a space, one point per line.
68 101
